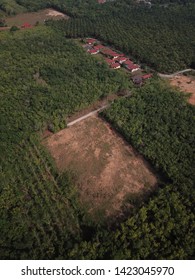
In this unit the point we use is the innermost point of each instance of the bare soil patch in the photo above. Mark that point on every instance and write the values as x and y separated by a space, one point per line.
35 17
185 84
106 170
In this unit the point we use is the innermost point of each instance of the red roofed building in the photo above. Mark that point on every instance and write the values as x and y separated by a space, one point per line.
92 51
109 53
121 59
91 41
106 51
26 25
128 62
146 76
109 61
115 65
101 1
99 47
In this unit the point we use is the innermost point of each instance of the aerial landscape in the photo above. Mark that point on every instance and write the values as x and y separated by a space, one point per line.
97 140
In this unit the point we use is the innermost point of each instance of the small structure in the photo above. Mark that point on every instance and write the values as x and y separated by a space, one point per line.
26 25
137 80
115 65
110 53
109 61
99 47
134 68
92 51
121 59
146 76
129 65
91 41
127 62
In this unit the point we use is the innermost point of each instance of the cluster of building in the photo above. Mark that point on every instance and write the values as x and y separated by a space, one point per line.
115 60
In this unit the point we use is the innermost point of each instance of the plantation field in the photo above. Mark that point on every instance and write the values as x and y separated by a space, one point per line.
34 17
41 211
107 171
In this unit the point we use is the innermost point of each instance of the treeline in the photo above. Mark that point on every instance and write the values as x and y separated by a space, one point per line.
183 2
44 78
156 37
72 8
160 124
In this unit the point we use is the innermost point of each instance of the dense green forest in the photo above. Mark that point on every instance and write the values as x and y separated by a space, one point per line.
160 37
44 78
156 37
72 7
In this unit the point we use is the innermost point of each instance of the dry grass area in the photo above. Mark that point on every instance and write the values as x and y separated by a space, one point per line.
34 17
185 84
107 171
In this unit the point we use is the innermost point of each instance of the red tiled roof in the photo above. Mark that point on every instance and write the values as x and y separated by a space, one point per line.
99 47
109 61
92 51
147 76
132 66
110 52
107 51
115 65
128 62
90 40
121 58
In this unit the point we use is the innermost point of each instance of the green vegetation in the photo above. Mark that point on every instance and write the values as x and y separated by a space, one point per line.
160 124
156 37
44 78
11 7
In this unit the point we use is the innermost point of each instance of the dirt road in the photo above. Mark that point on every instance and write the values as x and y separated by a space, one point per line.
87 116
175 74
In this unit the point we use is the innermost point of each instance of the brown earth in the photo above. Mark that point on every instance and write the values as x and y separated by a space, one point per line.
185 84
106 170
34 17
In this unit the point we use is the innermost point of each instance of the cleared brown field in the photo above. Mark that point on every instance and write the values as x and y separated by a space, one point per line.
34 17
107 171
185 84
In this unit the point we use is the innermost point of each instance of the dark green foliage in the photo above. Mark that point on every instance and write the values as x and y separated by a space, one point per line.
44 78
160 124
153 36
14 28
163 229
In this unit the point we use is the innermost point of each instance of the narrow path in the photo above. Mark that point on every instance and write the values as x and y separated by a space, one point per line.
87 115
92 113
175 74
